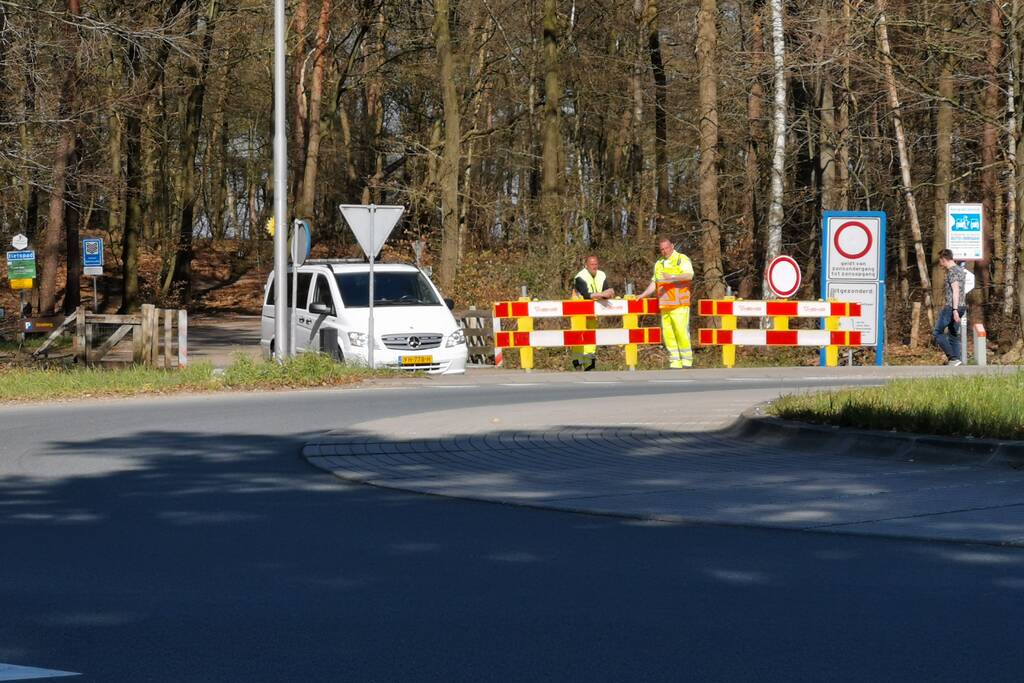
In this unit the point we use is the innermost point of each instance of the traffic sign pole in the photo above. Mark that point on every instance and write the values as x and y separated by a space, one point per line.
281 325
369 323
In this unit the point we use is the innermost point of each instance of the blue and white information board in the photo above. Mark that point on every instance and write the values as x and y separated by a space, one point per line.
965 231
92 256
853 269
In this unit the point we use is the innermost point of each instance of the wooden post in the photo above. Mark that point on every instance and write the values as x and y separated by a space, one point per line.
915 325
168 340
88 352
79 343
148 316
154 337
182 338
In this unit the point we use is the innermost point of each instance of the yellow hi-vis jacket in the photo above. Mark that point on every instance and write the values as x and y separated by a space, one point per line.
672 276
594 283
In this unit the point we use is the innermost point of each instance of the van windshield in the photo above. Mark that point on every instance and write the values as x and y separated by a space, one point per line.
389 289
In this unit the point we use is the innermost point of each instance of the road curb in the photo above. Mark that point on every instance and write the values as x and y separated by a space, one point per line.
753 424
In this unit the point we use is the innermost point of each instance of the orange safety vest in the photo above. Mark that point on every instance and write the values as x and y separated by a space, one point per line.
673 276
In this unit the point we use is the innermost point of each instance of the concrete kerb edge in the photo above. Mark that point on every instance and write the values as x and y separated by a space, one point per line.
755 425
324 463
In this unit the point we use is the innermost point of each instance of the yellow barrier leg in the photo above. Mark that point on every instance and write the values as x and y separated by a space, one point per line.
526 352
577 323
729 350
832 352
631 322
780 322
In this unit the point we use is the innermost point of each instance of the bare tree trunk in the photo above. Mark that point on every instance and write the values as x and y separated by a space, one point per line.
300 21
711 242
989 180
306 197
552 184
72 245
901 143
448 169
660 109
943 157
1012 140
775 210
751 171
843 120
191 128
50 252
829 194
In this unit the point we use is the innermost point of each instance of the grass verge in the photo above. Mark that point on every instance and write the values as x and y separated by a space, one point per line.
983 406
306 370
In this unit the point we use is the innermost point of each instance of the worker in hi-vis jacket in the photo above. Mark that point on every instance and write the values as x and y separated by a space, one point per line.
673 275
589 283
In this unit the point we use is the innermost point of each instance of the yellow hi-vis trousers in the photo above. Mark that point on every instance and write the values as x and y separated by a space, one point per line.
585 354
675 330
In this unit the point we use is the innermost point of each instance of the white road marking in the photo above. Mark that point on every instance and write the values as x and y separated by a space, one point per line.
13 672
671 381
597 381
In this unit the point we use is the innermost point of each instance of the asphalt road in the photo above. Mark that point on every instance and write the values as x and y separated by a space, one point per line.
186 540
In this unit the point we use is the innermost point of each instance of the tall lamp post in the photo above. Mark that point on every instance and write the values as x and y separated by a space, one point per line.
281 321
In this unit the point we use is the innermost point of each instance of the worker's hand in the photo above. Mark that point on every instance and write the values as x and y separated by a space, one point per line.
956 315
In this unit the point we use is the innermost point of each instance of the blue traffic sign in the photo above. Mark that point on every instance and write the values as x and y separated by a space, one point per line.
24 255
92 252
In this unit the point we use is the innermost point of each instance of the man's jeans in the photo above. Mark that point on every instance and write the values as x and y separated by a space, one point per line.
949 343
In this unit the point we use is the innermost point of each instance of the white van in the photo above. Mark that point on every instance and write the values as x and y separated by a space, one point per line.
412 324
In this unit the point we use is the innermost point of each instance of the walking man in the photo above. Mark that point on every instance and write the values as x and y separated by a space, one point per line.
589 284
954 309
673 275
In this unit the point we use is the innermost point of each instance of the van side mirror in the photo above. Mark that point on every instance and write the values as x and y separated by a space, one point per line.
320 309
450 304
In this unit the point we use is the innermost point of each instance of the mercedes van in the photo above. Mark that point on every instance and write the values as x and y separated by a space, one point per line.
413 326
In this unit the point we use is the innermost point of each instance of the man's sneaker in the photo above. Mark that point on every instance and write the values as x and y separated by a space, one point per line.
955 362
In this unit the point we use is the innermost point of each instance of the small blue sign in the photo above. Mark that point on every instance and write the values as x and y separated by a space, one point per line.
23 255
92 252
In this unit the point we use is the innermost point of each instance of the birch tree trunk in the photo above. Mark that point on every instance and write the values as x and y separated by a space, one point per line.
901 143
711 242
448 168
775 211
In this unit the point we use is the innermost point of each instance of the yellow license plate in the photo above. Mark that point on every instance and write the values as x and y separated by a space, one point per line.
417 360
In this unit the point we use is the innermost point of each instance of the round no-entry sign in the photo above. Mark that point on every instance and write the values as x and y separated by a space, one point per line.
853 240
783 276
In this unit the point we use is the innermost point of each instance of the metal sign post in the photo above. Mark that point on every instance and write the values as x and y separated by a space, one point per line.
853 269
92 265
362 219
281 322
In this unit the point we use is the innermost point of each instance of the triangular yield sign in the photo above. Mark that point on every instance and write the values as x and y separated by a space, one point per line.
371 224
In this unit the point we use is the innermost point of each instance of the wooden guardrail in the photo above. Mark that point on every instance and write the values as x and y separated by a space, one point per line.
155 337
479 328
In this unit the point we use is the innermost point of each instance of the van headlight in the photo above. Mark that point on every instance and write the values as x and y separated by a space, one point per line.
357 338
457 337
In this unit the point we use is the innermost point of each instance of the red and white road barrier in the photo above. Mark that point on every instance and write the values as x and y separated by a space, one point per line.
555 338
780 311
779 338
789 309
562 309
582 314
